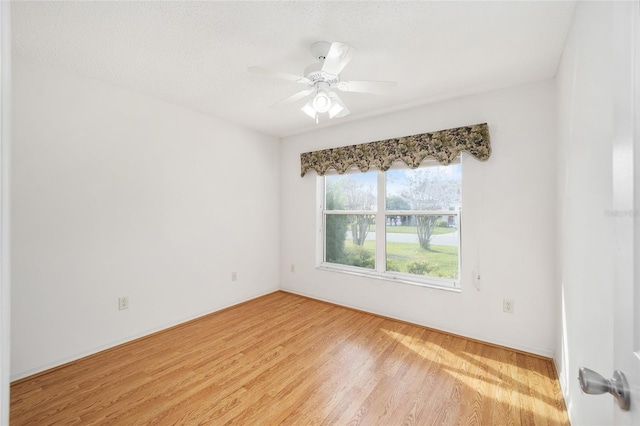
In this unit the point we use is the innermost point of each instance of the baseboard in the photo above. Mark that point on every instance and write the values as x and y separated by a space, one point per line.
529 350
44 369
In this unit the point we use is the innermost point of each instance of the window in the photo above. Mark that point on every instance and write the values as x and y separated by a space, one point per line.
402 224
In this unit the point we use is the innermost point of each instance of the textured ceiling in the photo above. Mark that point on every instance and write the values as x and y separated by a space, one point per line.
196 54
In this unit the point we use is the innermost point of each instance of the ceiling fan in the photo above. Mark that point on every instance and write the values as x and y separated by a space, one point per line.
323 78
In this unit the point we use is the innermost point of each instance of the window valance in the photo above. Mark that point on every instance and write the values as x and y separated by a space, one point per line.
444 146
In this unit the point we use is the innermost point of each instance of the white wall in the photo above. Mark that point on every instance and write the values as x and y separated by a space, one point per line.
585 267
119 194
508 221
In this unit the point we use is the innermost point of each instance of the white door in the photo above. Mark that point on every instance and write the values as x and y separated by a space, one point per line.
5 120
626 199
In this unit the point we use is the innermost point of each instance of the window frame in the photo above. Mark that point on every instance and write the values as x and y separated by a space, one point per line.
381 213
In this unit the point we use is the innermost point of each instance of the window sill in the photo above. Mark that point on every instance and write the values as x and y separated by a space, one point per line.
387 277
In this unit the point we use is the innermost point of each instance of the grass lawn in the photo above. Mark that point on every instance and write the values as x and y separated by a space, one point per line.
399 255
443 258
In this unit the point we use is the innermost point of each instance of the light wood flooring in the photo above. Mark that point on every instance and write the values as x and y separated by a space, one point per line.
286 359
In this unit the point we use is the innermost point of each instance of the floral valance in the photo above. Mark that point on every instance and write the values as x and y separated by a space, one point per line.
444 146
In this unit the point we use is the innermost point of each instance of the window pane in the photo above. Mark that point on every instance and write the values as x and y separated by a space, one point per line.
428 188
350 240
352 191
423 245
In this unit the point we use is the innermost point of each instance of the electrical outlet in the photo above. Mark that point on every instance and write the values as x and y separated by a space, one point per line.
293 267
234 276
123 303
507 306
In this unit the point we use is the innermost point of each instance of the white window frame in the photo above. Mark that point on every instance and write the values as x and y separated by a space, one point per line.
381 214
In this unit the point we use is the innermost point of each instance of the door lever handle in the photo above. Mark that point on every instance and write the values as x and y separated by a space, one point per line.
594 384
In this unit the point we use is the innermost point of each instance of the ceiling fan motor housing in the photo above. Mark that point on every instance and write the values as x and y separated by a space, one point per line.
315 74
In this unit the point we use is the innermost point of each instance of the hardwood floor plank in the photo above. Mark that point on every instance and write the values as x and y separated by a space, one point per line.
287 359
425 382
473 394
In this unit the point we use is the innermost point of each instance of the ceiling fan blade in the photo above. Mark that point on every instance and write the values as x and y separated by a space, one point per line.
279 74
377 87
338 57
291 99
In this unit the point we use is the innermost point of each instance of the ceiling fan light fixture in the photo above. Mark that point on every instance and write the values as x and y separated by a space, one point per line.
309 110
338 108
322 101
335 109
